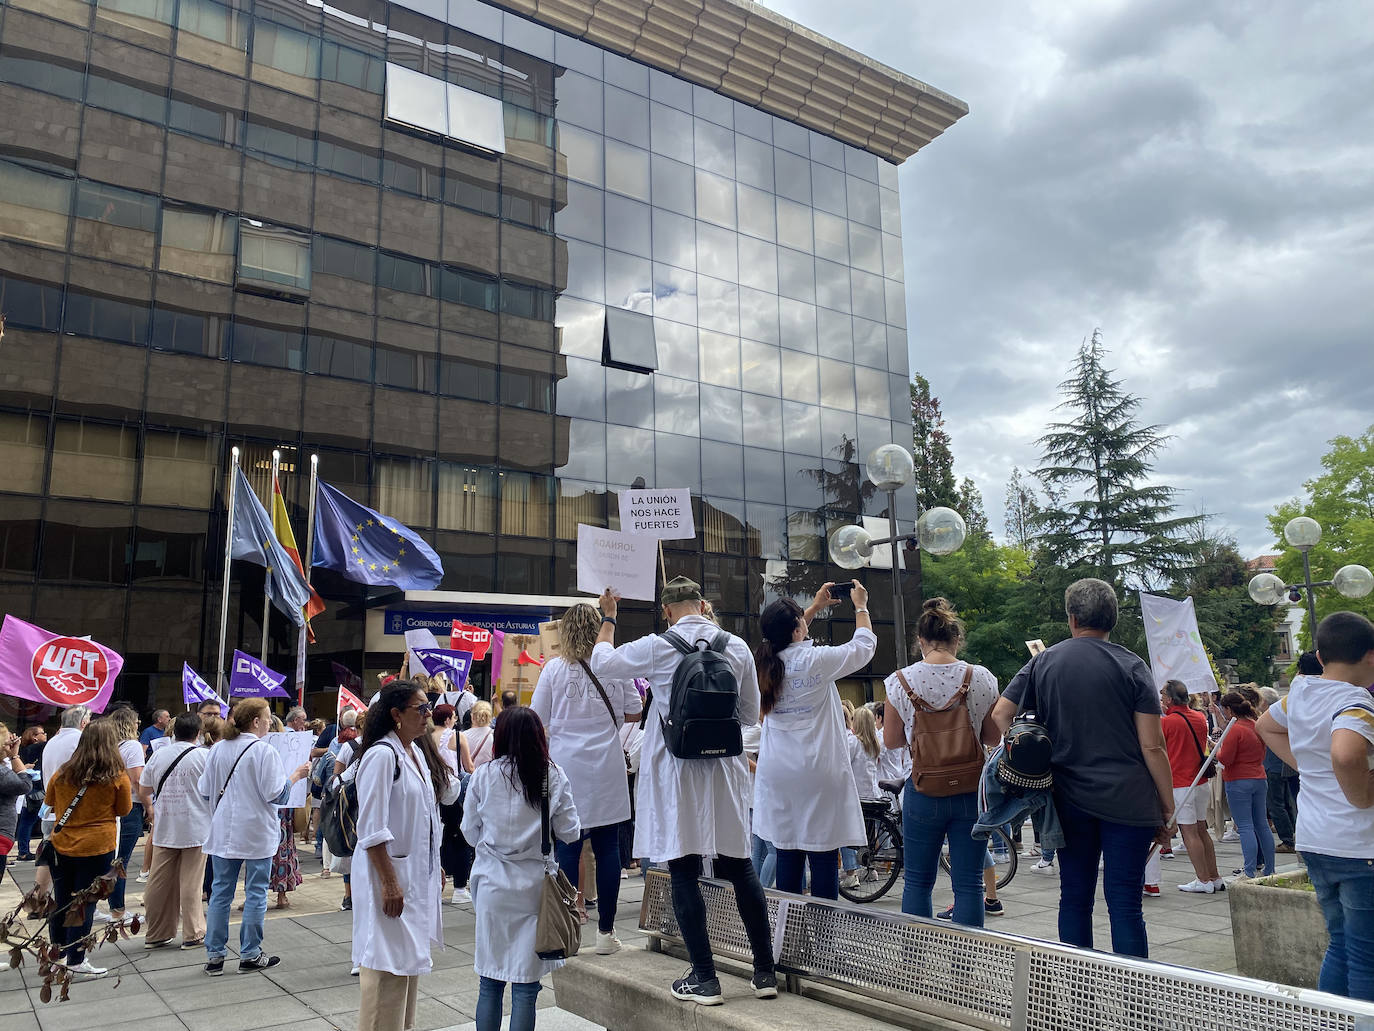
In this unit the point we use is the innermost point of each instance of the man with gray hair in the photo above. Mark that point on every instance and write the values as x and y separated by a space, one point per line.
1113 790
296 718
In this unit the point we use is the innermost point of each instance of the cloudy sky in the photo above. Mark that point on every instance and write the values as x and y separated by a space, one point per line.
1194 177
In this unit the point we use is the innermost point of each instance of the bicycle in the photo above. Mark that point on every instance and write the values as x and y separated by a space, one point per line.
1003 851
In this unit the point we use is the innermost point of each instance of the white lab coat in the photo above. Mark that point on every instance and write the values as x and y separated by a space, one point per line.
401 813
894 763
864 768
509 866
685 806
246 824
584 740
804 793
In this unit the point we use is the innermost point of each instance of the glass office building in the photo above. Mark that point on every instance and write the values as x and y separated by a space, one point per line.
491 265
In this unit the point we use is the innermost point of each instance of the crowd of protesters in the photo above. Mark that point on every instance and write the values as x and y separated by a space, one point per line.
591 779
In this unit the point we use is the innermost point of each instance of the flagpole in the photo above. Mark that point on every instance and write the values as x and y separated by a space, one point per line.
309 557
267 575
228 554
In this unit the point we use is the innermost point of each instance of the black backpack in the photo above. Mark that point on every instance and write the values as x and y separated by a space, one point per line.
339 810
703 709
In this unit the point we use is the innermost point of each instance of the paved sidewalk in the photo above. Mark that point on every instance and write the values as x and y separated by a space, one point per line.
167 990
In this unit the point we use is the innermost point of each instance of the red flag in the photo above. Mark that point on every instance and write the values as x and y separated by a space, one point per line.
473 639
348 700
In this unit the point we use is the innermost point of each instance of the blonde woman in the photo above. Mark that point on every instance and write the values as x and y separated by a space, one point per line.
864 752
89 794
583 716
125 722
479 735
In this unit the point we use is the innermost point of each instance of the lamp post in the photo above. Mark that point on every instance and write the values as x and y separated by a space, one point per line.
939 531
1304 533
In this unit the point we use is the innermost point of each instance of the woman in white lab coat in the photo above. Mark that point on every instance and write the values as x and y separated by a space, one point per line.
805 799
582 715
398 886
501 817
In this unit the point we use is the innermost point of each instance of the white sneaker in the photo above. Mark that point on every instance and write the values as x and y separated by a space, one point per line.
1198 887
355 972
85 967
4 965
1219 884
1044 864
101 916
461 897
1230 835
606 943
142 876
850 880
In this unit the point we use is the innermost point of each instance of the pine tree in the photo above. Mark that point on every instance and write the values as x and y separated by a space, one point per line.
1022 506
935 483
970 506
1104 518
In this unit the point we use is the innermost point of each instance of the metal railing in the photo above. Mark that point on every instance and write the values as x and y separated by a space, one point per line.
983 979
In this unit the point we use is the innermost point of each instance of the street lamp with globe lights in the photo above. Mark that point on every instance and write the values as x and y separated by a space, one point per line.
940 531
1304 533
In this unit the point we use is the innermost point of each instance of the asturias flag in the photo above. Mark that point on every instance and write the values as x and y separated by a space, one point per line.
368 547
255 541
281 526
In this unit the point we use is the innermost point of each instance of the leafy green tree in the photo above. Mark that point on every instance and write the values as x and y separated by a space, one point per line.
1103 518
970 506
1022 506
930 449
1342 500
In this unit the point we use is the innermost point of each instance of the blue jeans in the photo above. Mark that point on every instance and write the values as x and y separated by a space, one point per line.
926 822
130 827
255 875
490 994
1248 800
825 872
606 847
1345 889
765 859
23 834
1123 850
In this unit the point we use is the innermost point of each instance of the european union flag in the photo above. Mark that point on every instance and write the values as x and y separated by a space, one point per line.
255 541
370 548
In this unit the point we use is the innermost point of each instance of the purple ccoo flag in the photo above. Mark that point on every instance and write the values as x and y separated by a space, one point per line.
195 690
251 679
453 664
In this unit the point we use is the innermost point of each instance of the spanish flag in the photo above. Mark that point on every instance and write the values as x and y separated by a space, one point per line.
281 526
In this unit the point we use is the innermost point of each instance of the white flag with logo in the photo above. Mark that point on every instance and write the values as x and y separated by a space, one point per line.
1176 651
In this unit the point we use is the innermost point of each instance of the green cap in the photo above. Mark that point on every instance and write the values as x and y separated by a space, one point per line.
679 588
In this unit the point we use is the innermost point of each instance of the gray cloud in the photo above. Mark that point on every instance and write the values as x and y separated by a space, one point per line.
1196 177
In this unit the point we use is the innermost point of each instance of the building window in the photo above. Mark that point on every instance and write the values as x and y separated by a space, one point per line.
288 147
45 72
404 274
189 332
93 460
528 302
276 346
341 159
105 318
198 243
30 305
344 259
339 357
34 205
628 341
213 21
467 498
179 469
405 489
525 504
273 258
188 115
352 67
23 450
126 98
286 50
444 108
405 370
113 206
459 287
87 543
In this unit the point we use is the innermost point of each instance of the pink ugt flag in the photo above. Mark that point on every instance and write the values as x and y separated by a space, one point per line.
52 669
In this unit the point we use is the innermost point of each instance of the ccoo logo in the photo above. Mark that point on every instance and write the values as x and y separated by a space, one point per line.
69 671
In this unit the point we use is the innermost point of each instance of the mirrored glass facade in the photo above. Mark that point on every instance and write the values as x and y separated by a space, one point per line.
272 224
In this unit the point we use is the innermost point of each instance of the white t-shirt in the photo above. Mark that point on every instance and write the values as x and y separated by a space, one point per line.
1311 712
481 744
58 750
132 754
183 815
345 754
936 683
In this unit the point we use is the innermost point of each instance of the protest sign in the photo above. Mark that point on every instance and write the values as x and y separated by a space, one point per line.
520 665
622 561
251 679
548 639
453 664
415 641
664 515
51 669
159 742
1176 651
474 639
294 747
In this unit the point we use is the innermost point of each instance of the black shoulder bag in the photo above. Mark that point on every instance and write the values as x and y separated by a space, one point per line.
225 786
47 852
1209 768
172 766
1026 746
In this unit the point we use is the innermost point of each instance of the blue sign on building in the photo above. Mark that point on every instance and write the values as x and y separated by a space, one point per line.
526 621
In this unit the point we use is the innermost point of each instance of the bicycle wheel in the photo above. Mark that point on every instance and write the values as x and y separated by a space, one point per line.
880 860
1003 855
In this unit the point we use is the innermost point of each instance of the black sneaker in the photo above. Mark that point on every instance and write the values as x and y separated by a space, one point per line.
263 962
215 968
346 904
993 907
691 989
765 985
945 914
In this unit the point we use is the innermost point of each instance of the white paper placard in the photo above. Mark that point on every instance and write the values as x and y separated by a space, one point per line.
294 747
664 515
420 638
160 742
622 561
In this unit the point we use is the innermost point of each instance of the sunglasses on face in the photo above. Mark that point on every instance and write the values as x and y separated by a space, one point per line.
424 708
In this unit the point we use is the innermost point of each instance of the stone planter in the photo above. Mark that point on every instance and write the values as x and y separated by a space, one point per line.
1277 929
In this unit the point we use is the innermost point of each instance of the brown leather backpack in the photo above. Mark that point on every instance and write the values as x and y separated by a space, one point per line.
946 756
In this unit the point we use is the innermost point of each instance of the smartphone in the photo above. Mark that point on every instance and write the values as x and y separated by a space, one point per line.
840 592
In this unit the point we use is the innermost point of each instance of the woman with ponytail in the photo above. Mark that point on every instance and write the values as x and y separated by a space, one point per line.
805 799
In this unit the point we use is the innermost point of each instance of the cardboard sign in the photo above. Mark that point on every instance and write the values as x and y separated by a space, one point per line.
664 515
624 562
1035 647
548 639
518 672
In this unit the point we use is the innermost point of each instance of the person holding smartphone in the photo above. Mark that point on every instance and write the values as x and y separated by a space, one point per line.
805 799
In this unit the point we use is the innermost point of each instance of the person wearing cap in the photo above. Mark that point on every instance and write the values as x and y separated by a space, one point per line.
690 808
